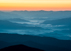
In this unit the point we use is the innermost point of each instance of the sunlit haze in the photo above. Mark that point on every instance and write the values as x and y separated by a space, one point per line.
30 5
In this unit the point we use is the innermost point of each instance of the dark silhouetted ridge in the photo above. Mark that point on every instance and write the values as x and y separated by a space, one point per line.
20 48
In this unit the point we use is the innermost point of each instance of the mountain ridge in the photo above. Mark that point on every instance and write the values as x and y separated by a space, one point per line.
19 47
36 41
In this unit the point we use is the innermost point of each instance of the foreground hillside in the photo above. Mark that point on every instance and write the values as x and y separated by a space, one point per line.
44 43
19 48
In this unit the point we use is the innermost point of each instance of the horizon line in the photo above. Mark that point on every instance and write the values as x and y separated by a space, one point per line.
31 10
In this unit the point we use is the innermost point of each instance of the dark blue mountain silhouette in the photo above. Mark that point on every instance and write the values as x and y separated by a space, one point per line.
4 44
44 43
20 48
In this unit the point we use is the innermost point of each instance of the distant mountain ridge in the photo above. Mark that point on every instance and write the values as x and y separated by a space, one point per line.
50 15
18 20
4 24
64 21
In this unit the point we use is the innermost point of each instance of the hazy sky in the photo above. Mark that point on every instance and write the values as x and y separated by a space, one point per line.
48 5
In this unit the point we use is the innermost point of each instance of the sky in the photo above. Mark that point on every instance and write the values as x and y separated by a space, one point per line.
34 5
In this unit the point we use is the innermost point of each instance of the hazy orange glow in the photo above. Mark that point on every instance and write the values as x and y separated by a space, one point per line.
30 5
